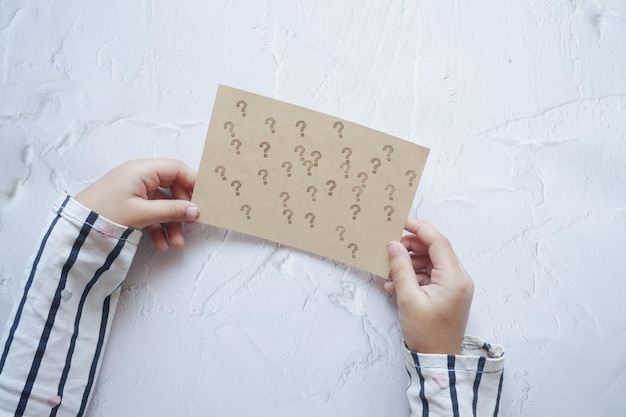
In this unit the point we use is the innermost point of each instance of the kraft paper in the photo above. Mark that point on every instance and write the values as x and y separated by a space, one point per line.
306 179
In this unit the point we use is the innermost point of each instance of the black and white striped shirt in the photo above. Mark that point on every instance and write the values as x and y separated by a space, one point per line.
466 385
53 342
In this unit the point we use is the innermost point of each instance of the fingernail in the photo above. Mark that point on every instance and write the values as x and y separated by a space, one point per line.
392 248
192 214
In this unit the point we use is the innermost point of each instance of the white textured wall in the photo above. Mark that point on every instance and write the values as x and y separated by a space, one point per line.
523 104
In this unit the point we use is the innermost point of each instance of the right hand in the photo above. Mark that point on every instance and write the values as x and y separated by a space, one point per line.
433 290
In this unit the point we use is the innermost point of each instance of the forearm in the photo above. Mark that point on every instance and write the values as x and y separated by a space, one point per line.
456 385
53 341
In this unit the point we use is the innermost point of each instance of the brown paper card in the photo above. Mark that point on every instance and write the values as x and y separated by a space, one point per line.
306 179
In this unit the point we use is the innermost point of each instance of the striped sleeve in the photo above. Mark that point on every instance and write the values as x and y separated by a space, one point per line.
466 385
53 341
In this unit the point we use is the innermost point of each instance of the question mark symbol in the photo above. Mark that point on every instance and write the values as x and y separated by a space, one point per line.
289 214
285 196
412 176
311 218
357 210
264 173
288 166
389 150
221 170
266 146
301 124
317 155
363 179
237 144
237 186
247 209
340 130
376 163
272 122
348 152
243 106
391 189
341 231
230 126
354 248
309 165
345 165
359 191
332 185
301 148
389 211
313 190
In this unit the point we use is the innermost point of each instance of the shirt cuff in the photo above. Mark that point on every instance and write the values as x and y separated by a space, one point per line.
74 212
472 348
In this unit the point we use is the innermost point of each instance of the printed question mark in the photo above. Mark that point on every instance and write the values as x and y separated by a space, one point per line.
237 144
266 146
272 122
340 130
230 126
354 248
363 177
247 209
311 218
341 231
285 196
313 190
391 189
345 165
301 148
264 173
301 124
288 166
243 106
348 152
389 211
389 150
359 191
412 176
376 163
317 155
333 185
309 165
357 210
289 214
221 170
237 185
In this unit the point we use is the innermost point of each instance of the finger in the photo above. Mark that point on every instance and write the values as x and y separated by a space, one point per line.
413 244
180 193
420 262
440 250
389 287
404 279
167 172
174 230
157 234
165 211
175 234
423 279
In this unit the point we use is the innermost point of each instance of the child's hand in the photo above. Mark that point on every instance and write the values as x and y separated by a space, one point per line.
433 290
134 194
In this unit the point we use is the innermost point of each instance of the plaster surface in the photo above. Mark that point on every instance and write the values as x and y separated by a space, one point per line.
522 103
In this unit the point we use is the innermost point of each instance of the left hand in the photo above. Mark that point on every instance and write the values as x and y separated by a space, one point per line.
133 194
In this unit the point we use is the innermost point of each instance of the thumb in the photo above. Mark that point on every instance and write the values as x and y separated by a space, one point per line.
402 272
166 211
